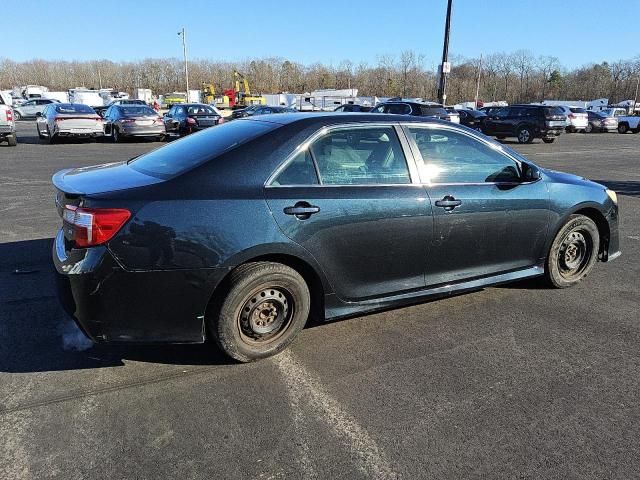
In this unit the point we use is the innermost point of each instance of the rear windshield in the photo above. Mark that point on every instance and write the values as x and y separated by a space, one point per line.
138 111
196 149
577 110
425 110
201 110
548 111
74 108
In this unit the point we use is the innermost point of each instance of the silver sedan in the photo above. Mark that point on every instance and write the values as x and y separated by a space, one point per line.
133 121
62 120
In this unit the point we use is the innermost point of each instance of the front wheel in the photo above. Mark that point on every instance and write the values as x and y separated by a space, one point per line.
115 136
573 253
16 115
588 128
525 135
12 140
548 140
623 128
266 306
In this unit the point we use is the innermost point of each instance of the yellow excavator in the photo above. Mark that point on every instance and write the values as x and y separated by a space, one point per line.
209 96
244 98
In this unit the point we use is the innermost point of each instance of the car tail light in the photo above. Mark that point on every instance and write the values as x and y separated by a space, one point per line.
571 115
9 115
94 226
191 121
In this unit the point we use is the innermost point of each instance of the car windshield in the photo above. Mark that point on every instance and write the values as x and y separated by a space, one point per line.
196 149
548 111
138 111
200 110
74 108
429 110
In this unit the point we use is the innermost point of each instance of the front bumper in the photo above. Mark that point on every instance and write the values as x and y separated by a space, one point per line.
611 250
112 304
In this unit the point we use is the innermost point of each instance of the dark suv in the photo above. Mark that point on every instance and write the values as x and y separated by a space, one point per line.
404 107
526 122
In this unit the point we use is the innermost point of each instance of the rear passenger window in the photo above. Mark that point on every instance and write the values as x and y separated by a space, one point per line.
300 171
398 109
360 155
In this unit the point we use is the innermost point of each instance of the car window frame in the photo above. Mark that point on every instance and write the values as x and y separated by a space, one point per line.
407 151
419 160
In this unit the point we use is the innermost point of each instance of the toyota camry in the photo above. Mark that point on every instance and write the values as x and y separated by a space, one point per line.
242 232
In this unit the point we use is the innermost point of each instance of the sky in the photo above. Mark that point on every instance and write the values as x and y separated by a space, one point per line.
578 32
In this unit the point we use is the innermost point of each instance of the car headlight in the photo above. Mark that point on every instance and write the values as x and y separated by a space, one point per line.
612 195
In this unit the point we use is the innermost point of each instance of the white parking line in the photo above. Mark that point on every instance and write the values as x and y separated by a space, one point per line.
370 459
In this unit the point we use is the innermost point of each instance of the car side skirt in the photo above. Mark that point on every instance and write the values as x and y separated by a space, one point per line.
335 308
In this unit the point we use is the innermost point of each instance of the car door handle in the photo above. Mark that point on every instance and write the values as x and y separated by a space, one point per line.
448 203
302 210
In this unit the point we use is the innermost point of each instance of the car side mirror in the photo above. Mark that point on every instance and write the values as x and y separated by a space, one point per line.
530 173
39 114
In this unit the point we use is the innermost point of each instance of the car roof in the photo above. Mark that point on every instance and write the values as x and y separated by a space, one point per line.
332 118
412 102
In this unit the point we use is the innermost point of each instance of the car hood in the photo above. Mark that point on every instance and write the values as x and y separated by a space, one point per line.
104 178
569 178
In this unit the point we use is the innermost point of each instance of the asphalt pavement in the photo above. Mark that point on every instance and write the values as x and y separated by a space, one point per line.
517 381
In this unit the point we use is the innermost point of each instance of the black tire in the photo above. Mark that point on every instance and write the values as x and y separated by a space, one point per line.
525 135
53 138
16 115
636 130
623 128
573 252
588 128
266 306
548 140
500 137
115 136
12 140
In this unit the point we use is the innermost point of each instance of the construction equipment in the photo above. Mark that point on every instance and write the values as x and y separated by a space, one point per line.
219 101
244 98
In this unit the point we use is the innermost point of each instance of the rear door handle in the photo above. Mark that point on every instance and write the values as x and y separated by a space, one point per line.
448 203
302 210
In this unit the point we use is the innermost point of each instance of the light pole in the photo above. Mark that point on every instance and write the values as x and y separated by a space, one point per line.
445 67
184 52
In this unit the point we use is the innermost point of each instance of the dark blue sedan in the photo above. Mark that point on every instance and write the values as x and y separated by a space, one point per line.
242 232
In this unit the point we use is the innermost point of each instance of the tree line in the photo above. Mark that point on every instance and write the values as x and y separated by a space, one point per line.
515 77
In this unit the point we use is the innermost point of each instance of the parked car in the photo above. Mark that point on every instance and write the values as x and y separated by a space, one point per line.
454 116
7 122
191 117
419 109
614 111
526 122
237 233
628 123
350 107
472 118
128 121
259 110
68 120
577 119
119 101
598 122
31 108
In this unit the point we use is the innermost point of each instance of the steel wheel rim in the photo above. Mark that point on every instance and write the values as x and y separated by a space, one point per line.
574 254
265 315
524 135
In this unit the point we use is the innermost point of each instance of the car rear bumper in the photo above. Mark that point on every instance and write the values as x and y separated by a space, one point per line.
551 132
76 132
7 129
149 131
111 304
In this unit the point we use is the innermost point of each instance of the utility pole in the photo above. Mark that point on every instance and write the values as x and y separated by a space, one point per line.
635 97
445 66
184 52
478 80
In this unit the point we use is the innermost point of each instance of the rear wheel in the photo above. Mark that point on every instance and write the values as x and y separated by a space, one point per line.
500 137
53 137
623 128
548 140
12 140
16 115
525 135
115 136
588 128
573 253
266 306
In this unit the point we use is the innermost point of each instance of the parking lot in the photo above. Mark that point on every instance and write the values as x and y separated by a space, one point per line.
517 381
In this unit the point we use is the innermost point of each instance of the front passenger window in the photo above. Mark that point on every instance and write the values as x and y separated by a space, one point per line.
452 157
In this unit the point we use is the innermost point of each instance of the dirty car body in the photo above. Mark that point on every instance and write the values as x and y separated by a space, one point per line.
357 203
